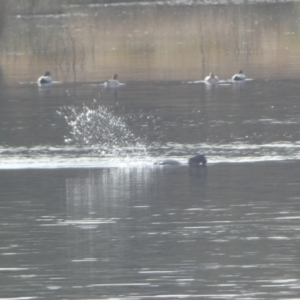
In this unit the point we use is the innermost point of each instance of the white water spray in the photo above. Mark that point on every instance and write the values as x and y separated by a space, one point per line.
102 129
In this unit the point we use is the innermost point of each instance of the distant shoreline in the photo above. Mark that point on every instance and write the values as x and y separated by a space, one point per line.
27 7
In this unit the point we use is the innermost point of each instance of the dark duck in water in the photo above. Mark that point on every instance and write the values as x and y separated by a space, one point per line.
196 160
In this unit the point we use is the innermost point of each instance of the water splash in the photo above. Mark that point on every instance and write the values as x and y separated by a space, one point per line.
103 129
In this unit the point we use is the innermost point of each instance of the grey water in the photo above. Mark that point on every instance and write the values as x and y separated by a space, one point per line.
84 211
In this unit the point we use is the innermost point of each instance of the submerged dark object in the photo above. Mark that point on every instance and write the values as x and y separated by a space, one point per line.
169 162
193 161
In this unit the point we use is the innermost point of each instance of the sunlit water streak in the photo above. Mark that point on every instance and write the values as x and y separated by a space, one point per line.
95 156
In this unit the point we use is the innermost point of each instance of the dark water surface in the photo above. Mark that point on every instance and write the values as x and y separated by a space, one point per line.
86 125
84 211
228 231
85 216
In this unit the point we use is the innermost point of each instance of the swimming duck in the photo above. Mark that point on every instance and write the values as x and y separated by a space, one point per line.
239 76
197 160
112 83
46 79
211 78
193 161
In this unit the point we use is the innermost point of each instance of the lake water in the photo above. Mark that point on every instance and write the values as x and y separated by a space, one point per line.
84 211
